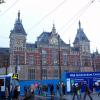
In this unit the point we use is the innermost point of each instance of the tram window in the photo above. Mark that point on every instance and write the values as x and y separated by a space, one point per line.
1 82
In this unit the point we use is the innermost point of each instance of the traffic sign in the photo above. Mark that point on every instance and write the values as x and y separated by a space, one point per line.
15 76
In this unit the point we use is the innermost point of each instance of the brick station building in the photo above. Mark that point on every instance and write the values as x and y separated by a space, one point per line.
49 56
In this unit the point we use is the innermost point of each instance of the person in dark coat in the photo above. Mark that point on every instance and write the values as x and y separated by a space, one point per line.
51 89
87 92
63 89
99 89
75 92
57 89
16 93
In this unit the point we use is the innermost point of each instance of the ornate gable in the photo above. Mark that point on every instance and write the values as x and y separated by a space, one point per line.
18 27
80 36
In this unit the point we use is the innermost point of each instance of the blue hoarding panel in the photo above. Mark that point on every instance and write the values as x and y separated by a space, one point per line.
28 83
83 77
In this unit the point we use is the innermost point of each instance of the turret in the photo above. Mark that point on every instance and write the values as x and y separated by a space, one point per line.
81 41
53 29
17 38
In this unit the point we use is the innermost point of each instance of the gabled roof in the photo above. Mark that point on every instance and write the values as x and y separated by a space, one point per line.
45 37
18 27
80 36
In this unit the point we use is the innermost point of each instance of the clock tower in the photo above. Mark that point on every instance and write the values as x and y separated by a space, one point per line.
17 38
54 37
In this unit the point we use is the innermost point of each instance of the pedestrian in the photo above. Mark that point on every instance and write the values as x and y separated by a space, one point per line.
75 92
79 90
28 93
63 89
16 93
32 90
52 89
87 92
25 91
99 89
11 91
39 90
57 89
18 89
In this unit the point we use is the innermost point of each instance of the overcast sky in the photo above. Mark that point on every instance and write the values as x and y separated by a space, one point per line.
39 15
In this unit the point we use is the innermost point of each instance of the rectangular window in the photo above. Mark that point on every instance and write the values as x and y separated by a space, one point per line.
21 60
44 57
31 74
65 59
31 60
44 73
54 56
56 73
44 61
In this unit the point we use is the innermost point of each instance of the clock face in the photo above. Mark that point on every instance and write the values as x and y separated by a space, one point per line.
19 42
54 41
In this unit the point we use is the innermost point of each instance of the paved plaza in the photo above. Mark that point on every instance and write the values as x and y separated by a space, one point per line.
66 97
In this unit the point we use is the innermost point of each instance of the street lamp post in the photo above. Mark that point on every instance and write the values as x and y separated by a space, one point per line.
7 65
41 62
16 67
93 63
59 54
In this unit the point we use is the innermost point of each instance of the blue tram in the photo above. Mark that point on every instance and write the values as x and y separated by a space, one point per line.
7 83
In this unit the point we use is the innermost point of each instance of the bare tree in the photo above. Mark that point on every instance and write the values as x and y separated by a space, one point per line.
2 1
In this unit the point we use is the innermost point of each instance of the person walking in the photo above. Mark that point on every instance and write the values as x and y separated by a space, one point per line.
63 89
75 92
52 89
18 89
99 89
79 90
87 92
32 90
25 91
57 89
16 93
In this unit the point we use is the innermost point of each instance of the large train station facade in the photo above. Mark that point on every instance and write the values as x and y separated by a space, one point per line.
49 56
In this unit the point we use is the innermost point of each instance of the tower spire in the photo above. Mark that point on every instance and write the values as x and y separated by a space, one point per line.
79 24
54 29
18 15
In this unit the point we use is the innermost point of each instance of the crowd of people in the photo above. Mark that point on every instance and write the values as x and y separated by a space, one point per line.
12 93
44 90
77 90
60 89
51 89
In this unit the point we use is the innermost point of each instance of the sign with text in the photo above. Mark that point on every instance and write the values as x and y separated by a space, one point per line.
15 76
83 74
